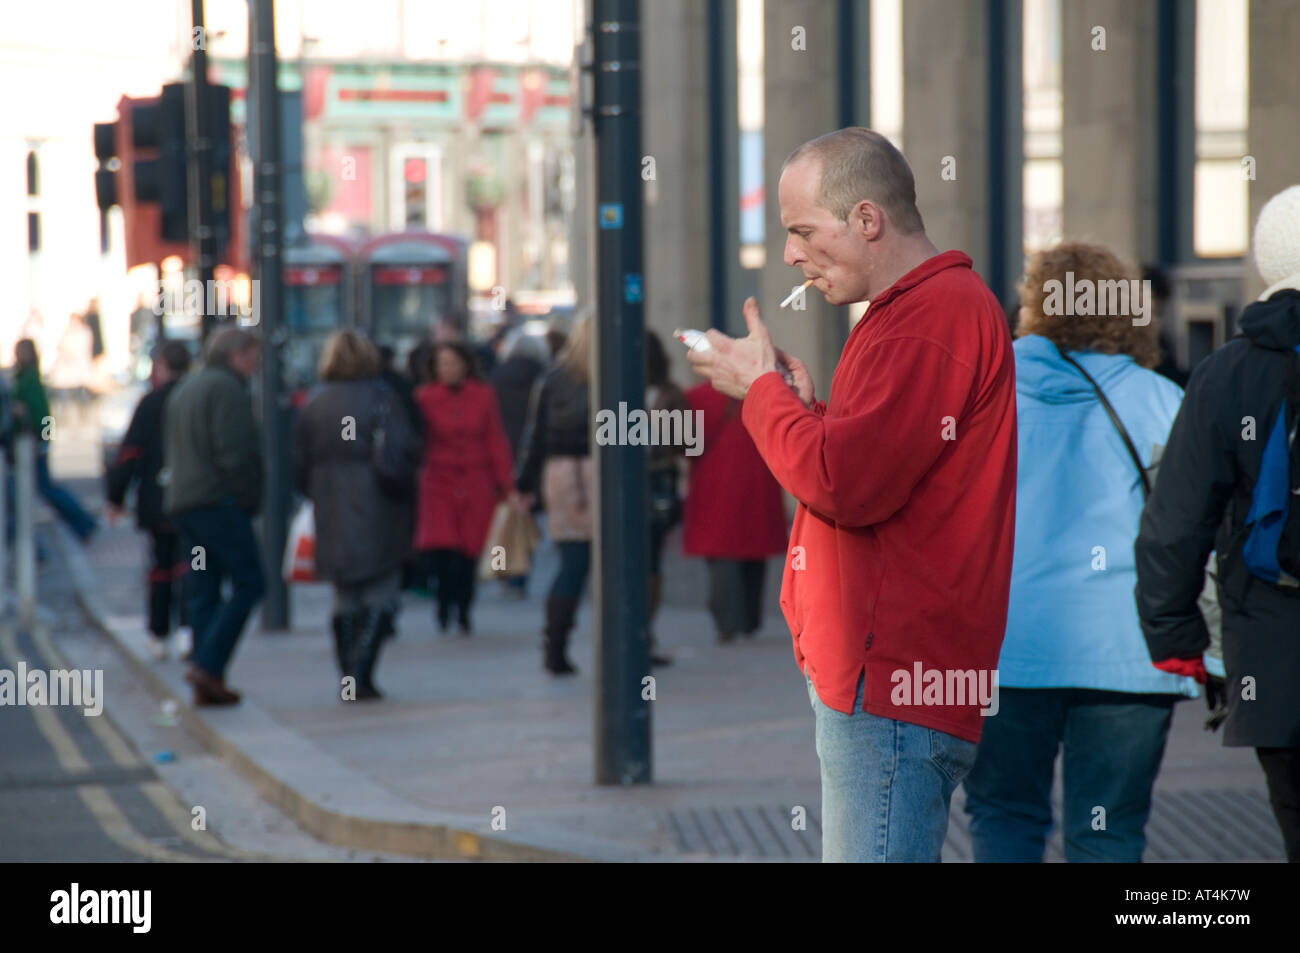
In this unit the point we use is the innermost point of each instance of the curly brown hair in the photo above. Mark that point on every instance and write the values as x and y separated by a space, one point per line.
1109 333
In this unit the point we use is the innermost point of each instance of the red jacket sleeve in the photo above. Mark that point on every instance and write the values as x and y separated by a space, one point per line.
859 466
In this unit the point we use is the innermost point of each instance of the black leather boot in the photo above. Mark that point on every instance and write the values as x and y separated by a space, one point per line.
368 639
341 623
560 612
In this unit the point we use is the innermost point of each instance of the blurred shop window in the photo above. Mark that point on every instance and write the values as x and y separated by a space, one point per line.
1220 225
1044 176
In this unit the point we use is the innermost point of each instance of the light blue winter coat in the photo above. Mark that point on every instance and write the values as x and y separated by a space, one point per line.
1072 621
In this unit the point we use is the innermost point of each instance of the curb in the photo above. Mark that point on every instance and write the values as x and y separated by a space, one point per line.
413 838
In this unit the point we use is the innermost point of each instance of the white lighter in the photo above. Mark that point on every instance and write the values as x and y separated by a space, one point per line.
696 341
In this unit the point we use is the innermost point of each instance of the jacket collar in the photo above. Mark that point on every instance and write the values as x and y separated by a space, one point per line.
927 269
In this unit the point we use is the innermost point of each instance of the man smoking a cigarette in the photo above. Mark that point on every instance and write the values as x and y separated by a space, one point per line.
905 480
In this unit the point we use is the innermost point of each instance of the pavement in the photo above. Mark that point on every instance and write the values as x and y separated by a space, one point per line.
476 753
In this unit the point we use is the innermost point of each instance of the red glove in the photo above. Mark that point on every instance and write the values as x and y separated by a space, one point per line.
1195 667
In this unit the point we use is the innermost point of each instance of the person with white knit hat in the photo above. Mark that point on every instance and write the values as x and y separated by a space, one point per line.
1241 399
1277 242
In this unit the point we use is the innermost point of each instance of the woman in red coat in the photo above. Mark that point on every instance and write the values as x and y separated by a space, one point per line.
466 472
734 515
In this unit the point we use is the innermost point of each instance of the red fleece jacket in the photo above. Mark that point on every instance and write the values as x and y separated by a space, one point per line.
906 480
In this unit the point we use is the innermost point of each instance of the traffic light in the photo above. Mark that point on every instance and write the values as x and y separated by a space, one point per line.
158 130
106 174
143 170
415 173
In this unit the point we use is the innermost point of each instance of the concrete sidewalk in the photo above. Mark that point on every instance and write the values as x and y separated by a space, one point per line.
473 730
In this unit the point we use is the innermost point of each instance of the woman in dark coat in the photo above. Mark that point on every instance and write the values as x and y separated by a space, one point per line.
556 462
466 472
363 531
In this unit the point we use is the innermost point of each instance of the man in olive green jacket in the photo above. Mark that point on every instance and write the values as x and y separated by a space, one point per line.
213 466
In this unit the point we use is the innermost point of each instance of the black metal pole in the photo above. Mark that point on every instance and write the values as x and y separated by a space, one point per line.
623 702
198 132
268 185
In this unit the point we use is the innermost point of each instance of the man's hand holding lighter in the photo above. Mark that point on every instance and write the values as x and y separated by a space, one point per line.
733 364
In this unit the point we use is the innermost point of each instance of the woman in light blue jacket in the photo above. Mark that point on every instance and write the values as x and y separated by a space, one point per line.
1074 672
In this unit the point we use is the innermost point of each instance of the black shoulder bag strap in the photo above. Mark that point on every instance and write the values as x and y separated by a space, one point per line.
1114 419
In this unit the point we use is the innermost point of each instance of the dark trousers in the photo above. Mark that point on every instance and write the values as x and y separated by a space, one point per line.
166 579
230 552
455 573
1282 771
736 594
575 564
1113 744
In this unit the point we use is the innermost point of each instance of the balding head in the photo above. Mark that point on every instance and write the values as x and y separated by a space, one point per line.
857 164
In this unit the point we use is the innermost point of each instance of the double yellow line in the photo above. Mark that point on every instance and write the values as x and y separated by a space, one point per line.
110 817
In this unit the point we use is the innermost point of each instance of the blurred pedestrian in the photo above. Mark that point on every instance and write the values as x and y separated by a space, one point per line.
1230 481
363 525
1074 675
556 461
1157 280
419 370
401 385
466 471
31 414
523 358
419 365
901 546
213 458
663 463
414 571
733 516
139 461
72 375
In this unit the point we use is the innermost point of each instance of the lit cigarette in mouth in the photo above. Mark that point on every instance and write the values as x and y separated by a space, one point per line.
797 291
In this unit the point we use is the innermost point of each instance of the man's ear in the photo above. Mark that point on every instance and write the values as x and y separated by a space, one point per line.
868 218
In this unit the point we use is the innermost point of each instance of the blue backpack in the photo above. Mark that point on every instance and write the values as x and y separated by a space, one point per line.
1272 549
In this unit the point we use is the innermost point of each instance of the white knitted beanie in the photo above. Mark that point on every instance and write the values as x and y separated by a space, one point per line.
1277 241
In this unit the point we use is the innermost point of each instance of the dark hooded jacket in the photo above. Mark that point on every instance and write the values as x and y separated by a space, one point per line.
1200 503
140 458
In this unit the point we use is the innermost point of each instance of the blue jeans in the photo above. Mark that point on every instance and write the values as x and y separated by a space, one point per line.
1113 743
230 552
886 784
60 499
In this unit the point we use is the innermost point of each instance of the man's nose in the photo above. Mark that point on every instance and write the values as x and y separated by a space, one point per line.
793 255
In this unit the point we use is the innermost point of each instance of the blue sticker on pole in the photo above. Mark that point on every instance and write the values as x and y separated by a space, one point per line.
611 214
632 289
